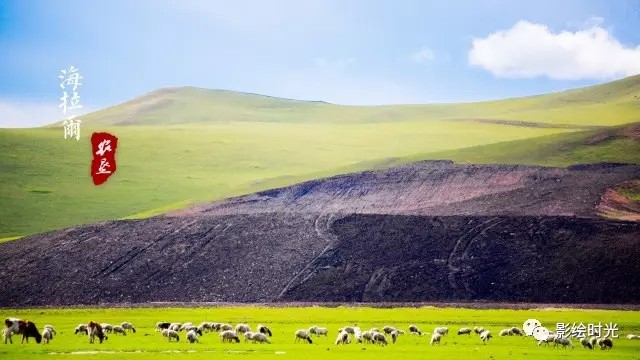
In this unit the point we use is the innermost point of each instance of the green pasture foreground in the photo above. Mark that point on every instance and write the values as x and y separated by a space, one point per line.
148 344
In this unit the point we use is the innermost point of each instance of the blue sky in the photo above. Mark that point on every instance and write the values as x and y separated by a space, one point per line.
347 52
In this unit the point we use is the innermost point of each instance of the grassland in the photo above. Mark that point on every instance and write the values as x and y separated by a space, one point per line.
187 145
147 344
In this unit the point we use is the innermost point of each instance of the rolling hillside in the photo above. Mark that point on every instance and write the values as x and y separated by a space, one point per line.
181 146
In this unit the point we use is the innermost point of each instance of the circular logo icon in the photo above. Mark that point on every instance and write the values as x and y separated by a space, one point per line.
529 325
540 333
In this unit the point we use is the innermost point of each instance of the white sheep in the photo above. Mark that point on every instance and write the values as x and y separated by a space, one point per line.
242 328
485 336
118 330
170 334
303 334
394 335
388 329
441 330
318 331
225 327
128 326
380 338
564 342
47 335
342 338
81 329
551 338
53 331
505 332
349 329
414 330
478 330
593 341
175 327
206 326
106 328
260 338
517 331
229 336
192 337
248 336
435 338
464 331
633 337
585 343
185 326
367 337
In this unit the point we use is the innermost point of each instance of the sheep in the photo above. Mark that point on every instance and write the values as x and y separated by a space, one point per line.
128 326
264 330
585 343
478 330
633 337
379 338
185 326
435 338
51 328
485 336
225 327
118 330
563 341
367 337
388 329
229 336
348 329
242 328
319 331
605 343
464 331
414 330
205 326
394 335
192 337
260 338
505 332
248 336
303 334
161 325
47 335
343 338
175 327
357 334
107 328
593 341
170 334
517 331
81 329
216 326
551 338
374 330
441 330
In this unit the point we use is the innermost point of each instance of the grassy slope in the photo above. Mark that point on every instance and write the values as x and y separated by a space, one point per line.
215 144
285 321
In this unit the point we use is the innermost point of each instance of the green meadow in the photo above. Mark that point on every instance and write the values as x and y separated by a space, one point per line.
148 344
184 146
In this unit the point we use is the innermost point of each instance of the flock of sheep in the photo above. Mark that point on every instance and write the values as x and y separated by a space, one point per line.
262 334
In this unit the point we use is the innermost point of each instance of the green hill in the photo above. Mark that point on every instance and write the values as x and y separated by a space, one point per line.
184 145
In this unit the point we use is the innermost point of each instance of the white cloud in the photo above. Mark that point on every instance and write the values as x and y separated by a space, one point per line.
23 114
529 50
423 55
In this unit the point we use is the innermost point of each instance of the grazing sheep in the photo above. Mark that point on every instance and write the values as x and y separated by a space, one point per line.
394 336
367 337
517 331
242 328
107 328
47 335
441 330
388 329
175 327
505 332
464 331
414 330
348 329
563 341
593 341
161 325
303 334
81 329
192 337
53 331
585 343
128 326
260 338
550 339
478 330
264 330
485 336
248 336
206 326
358 335
633 337
605 343
343 338
379 338
229 336
216 326
319 331
118 330
225 327
170 334
435 338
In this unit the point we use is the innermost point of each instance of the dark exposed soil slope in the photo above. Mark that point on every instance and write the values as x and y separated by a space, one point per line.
430 231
